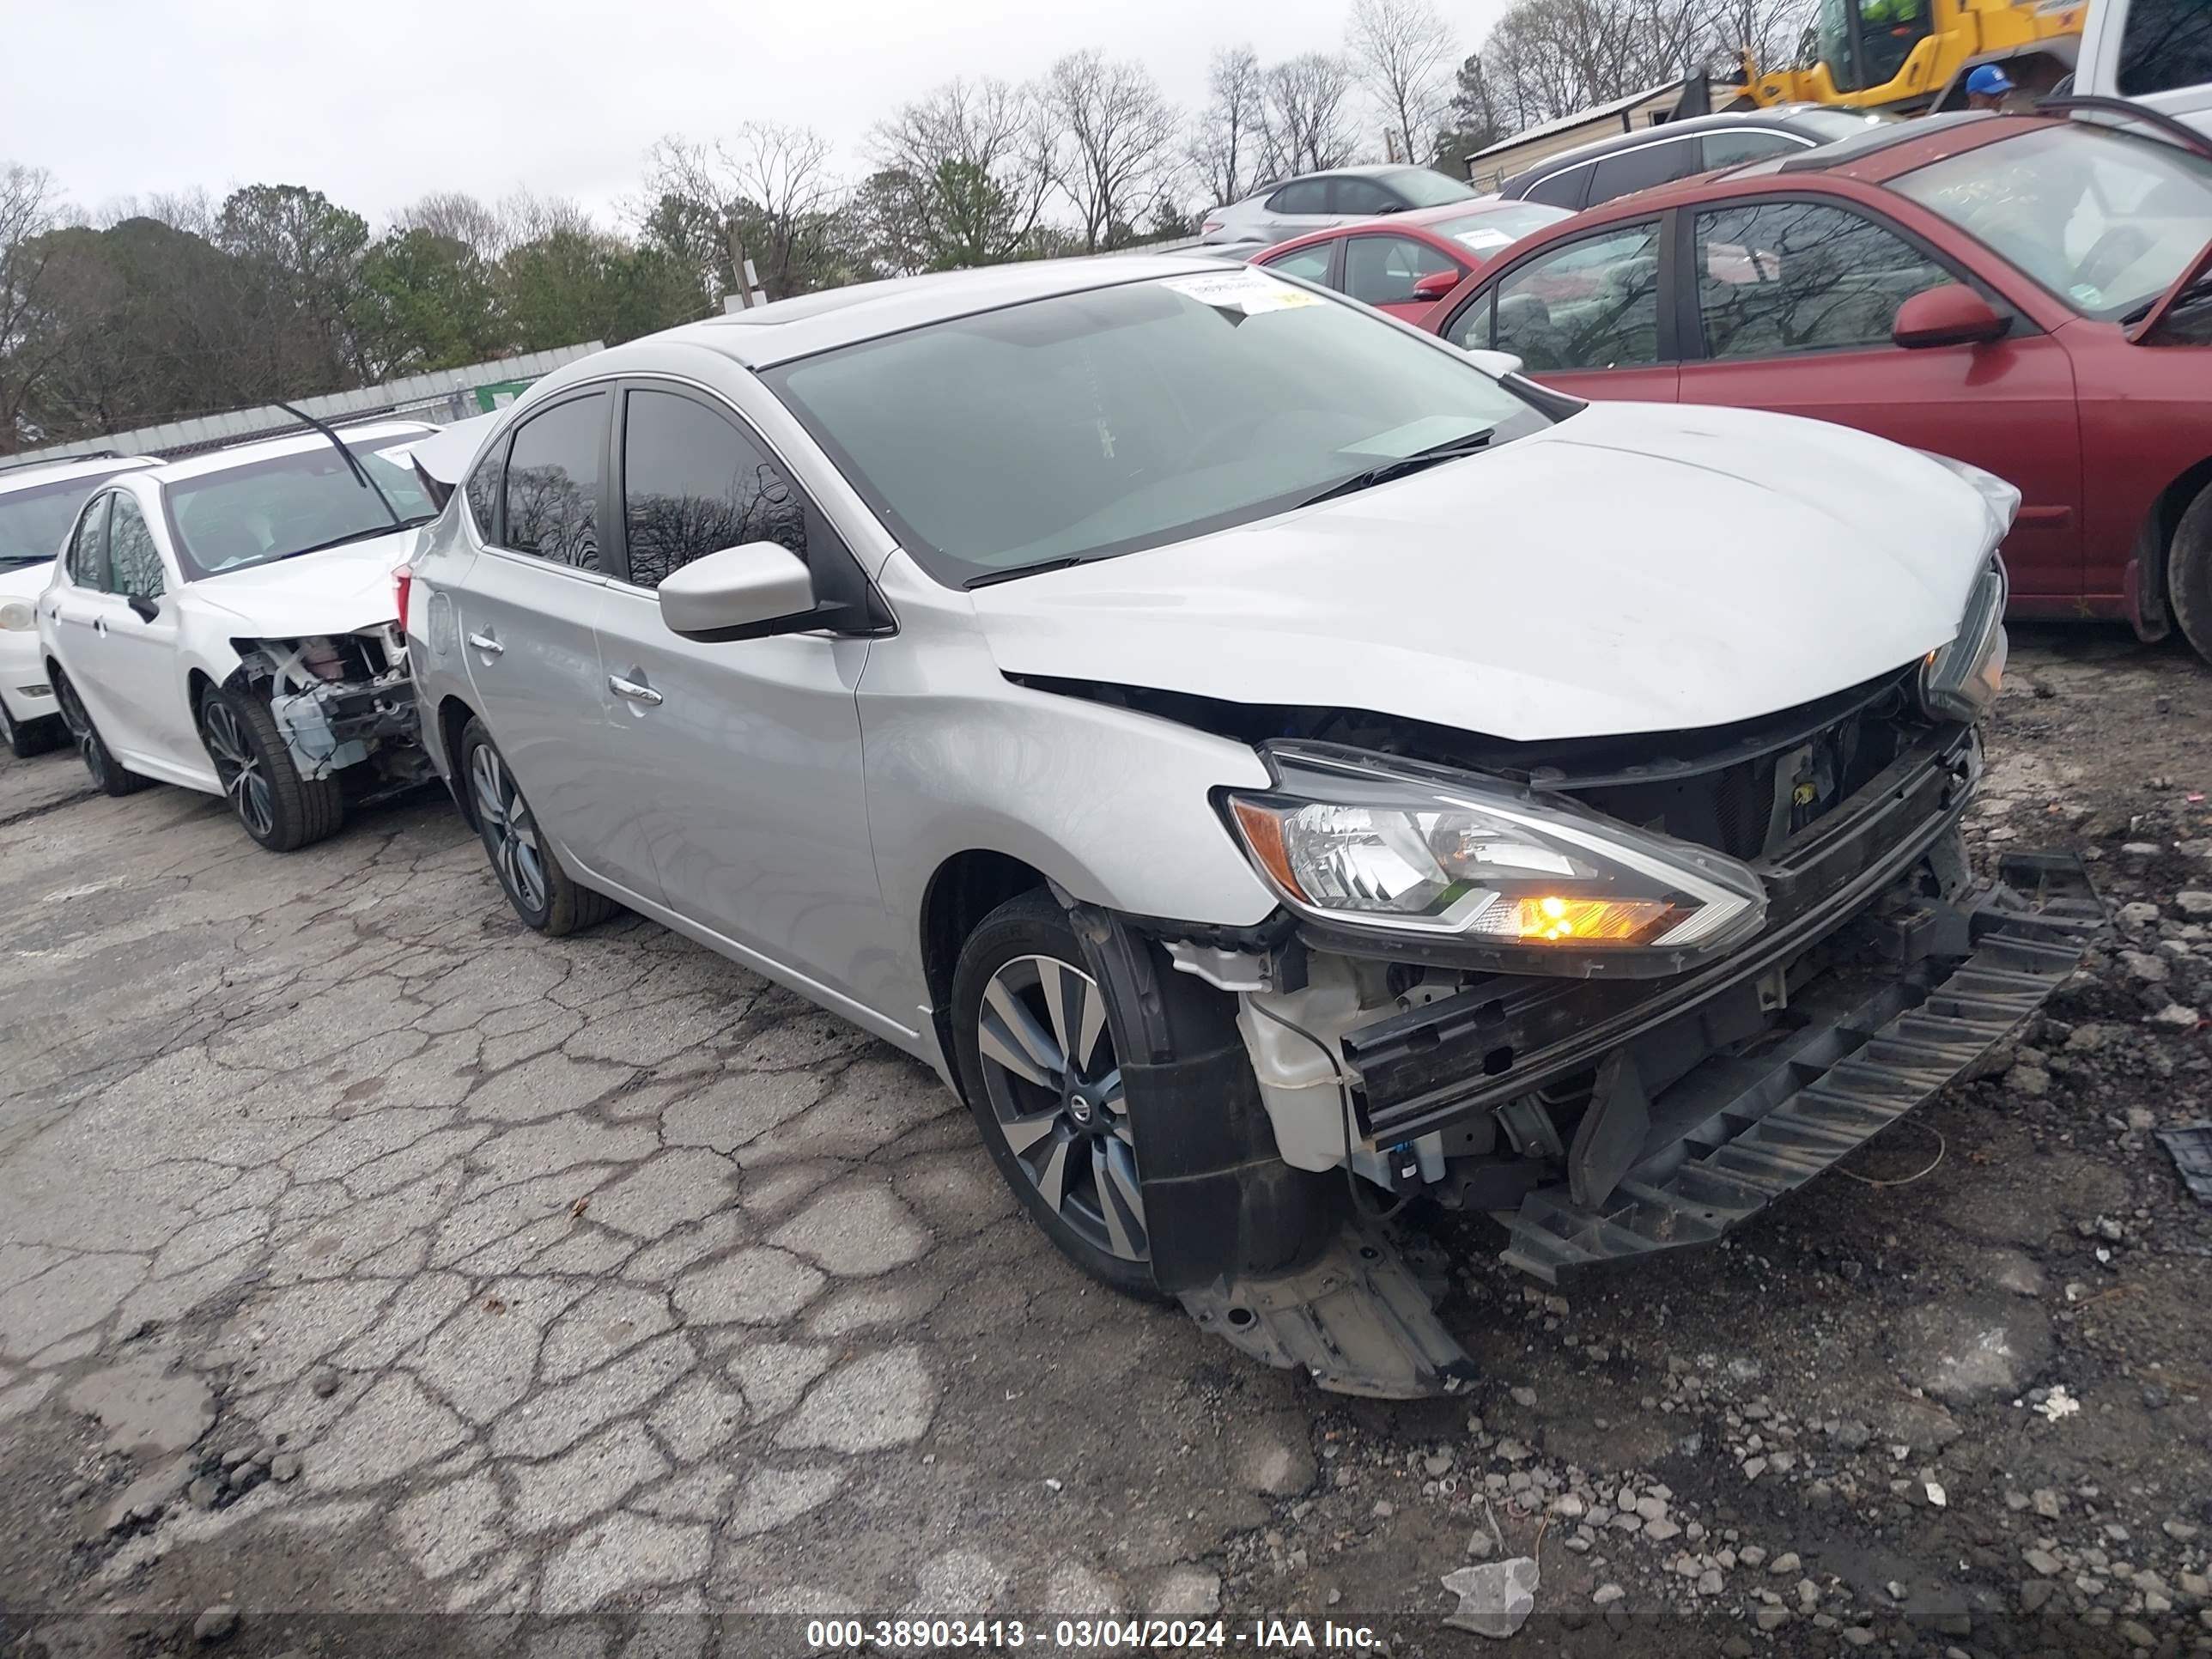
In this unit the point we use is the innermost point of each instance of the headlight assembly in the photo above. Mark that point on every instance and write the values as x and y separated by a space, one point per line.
1962 679
1370 843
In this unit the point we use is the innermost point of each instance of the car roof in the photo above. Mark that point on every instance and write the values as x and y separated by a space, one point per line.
1426 219
785 330
245 454
40 473
1779 116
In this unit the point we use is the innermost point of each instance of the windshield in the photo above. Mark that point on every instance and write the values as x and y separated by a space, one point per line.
1485 233
1425 187
2105 220
1100 422
288 504
35 519
1835 38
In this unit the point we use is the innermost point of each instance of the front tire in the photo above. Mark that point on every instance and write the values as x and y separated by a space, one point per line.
108 773
2189 574
282 810
1038 1067
545 895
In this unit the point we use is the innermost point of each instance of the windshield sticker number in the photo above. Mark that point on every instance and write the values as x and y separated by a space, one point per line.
1248 291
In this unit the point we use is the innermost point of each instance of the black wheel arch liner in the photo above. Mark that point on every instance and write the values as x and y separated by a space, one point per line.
1220 1204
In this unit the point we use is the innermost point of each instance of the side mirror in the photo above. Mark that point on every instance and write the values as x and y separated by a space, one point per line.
1435 284
744 593
144 609
1953 315
1495 364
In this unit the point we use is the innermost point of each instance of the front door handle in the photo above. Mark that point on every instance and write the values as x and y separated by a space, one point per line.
485 643
633 691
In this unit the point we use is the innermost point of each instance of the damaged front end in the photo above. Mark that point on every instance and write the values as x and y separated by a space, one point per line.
345 703
1621 993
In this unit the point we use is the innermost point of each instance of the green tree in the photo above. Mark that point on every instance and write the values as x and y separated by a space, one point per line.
573 286
422 301
311 251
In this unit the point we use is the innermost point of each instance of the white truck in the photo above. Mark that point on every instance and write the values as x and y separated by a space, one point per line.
2158 53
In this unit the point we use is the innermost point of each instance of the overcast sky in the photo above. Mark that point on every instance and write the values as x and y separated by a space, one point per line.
377 104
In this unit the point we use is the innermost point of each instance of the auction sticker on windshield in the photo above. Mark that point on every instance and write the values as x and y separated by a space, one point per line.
1246 290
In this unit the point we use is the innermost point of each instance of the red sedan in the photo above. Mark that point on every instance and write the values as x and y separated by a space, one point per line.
2027 294
1405 264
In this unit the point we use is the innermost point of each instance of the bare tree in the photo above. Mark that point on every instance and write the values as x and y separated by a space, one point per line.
1225 146
1301 113
1551 57
493 230
961 176
1765 31
1402 53
770 189
1115 153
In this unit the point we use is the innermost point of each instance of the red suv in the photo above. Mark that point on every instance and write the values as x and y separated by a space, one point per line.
2028 294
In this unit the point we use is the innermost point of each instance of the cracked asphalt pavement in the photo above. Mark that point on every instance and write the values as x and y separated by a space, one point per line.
377 1277
562 1273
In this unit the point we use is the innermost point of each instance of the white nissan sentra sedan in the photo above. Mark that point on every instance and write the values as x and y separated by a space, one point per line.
1273 766
227 623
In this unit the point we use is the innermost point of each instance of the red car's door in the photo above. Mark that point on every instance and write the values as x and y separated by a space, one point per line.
1583 315
1386 268
1791 311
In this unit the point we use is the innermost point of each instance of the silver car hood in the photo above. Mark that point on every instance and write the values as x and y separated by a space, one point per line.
1636 568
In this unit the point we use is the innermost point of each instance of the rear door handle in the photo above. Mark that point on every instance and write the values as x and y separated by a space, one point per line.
485 643
633 691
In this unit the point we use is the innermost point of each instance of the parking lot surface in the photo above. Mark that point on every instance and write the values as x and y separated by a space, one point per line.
366 1260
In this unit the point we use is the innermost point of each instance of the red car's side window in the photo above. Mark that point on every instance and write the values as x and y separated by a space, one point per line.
1777 277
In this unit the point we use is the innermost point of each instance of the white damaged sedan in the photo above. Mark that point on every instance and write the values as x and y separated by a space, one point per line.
227 623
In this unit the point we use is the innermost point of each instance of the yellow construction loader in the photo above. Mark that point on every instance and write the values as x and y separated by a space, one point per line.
1911 56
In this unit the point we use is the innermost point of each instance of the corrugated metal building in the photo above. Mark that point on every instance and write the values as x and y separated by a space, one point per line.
1486 170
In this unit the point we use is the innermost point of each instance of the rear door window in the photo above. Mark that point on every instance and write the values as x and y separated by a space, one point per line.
1568 188
483 490
1301 196
1638 169
554 475
1382 270
1310 263
2167 44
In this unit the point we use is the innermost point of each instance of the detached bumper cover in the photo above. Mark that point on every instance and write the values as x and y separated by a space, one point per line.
1733 1134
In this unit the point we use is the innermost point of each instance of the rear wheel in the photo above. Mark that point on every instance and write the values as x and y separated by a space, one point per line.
109 774
1038 1066
278 808
24 738
2189 574
543 895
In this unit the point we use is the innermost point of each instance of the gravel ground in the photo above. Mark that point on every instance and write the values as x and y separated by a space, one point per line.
372 1273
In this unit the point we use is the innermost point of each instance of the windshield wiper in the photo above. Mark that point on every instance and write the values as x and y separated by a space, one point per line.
991 578
353 461
2199 289
1451 449
374 531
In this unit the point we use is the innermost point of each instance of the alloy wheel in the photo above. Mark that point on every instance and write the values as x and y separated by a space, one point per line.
1055 1092
244 780
507 825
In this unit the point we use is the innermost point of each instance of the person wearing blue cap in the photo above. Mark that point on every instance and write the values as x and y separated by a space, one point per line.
1987 86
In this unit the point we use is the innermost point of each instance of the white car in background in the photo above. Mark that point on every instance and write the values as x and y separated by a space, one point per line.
38 499
228 622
